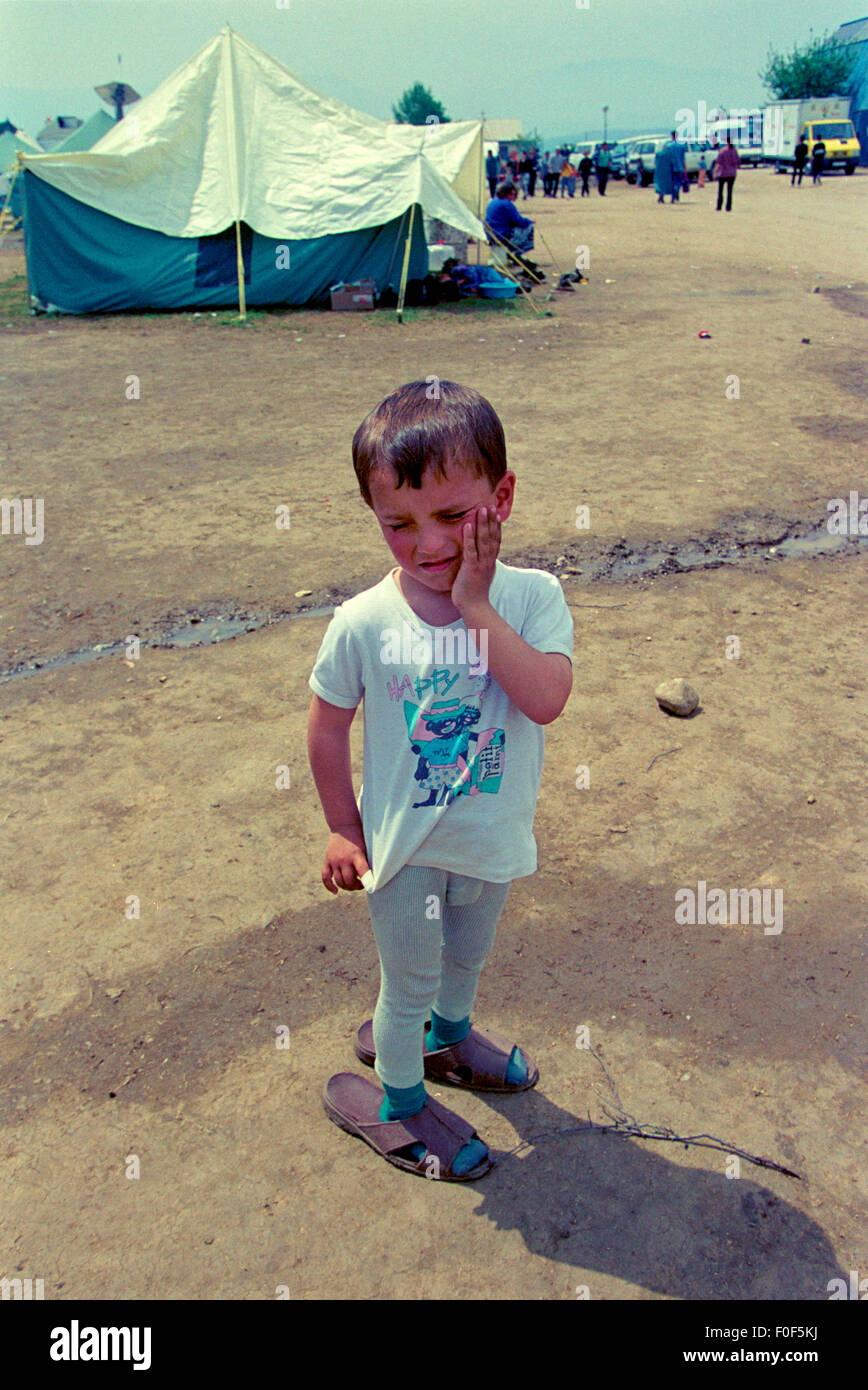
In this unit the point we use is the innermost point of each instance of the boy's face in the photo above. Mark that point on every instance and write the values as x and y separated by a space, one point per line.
427 524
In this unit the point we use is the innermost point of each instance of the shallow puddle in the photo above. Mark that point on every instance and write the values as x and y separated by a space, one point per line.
618 565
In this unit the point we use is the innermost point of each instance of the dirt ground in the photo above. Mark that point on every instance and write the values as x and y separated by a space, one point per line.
155 1037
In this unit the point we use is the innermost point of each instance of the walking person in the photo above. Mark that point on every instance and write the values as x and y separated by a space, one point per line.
568 180
663 173
525 170
534 160
604 164
677 164
818 159
586 168
727 168
492 169
800 156
546 171
703 172
557 163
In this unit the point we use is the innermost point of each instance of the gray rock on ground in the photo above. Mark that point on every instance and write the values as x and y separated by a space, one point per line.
676 696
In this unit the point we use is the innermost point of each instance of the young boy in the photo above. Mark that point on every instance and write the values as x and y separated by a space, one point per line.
460 660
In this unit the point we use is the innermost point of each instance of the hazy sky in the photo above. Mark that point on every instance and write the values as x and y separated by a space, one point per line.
548 63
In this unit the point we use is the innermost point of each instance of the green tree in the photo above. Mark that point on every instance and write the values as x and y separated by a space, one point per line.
821 69
416 105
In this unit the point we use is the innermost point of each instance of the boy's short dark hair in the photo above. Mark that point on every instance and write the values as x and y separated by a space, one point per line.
504 189
429 424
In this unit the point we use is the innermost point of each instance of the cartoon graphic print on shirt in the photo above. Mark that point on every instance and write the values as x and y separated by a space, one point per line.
454 759
489 836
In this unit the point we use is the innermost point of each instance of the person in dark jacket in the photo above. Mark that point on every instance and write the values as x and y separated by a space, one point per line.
492 168
534 159
546 172
586 166
800 155
525 169
818 159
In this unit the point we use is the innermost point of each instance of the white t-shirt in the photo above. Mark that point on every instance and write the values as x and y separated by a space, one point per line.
451 765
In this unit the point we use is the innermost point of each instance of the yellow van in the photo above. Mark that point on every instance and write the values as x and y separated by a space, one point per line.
839 137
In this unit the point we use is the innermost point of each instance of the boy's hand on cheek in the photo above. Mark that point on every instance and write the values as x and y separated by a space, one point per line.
481 543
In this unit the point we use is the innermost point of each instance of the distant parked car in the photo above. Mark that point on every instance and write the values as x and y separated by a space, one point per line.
620 153
629 146
640 163
693 151
641 157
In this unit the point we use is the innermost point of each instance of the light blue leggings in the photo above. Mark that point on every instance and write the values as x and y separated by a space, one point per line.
434 930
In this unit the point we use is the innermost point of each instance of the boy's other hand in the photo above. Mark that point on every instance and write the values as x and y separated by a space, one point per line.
481 542
345 861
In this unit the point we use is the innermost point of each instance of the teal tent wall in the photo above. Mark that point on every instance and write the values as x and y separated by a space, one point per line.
859 97
16 201
83 261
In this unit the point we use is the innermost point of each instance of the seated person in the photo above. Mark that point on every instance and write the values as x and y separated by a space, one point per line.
503 218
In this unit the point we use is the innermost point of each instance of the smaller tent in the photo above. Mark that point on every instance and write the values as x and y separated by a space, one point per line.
10 143
55 130
87 135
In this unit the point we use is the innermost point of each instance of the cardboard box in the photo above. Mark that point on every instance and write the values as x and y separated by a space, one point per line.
359 295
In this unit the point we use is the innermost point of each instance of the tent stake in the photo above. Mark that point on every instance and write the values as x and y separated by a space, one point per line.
242 299
406 265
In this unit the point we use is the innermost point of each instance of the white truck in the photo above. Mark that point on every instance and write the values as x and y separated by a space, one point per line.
745 129
815 119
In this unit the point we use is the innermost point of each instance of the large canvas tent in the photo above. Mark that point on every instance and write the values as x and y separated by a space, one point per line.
234 181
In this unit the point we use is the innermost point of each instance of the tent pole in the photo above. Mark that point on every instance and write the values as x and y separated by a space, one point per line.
242 298
395 247
481 175
406 265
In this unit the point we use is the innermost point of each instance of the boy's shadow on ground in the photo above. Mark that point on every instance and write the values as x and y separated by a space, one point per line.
617 1204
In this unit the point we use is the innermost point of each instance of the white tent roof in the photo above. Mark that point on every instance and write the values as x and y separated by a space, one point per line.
232 135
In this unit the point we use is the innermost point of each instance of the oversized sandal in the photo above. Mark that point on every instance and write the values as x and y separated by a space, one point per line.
477 1063
353 1103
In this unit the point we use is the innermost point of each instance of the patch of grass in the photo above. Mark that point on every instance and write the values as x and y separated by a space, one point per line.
14 299
459 309
232 316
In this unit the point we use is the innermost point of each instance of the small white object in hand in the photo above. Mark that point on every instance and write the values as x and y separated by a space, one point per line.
368 880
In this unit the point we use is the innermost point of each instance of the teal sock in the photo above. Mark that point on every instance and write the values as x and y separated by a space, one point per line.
400 1102
444 1031
516 1071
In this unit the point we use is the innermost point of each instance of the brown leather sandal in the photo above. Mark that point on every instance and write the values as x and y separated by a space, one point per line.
353 1103
477 1063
